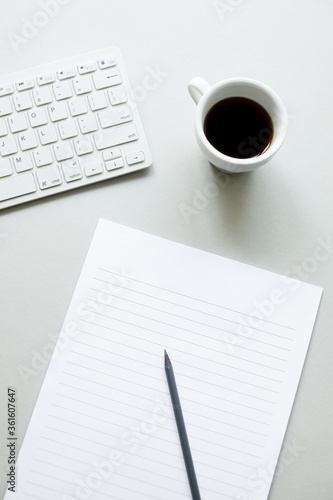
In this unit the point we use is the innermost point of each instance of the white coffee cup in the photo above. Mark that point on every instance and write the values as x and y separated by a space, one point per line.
205 96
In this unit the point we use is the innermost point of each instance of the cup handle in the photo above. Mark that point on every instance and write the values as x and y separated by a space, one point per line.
197 88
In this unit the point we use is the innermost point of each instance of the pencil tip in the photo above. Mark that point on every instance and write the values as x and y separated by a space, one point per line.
167 362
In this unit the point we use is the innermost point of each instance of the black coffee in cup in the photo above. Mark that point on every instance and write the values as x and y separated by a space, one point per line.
239 127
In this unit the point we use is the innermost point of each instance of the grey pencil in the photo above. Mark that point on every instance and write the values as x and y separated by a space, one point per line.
192 478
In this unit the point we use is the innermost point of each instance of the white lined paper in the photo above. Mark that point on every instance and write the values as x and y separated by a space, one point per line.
103 426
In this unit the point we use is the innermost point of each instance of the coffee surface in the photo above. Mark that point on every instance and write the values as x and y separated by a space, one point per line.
239 127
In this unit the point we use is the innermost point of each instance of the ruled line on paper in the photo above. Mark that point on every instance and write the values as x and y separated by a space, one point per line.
167 417
67 469
86 439
165 464
155 437
181 328
174 349
156 378
192 309
134 479
132 290
57 442
136 467
88 463
165 394
189 297
48 487
144 445
35 497
179 385
99 492
173 431
138 360
223 353
187 411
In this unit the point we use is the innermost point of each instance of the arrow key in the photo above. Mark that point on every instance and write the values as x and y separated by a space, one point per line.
114 164
135 158
94 169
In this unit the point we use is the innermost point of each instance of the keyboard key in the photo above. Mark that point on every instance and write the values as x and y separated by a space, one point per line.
27 140
6 89
5 106
58 112
71 170
87 67
63 151
111 154
22 101
107 78
48 177
114 164
67 129
3 127
42 96
114 136
78 106
17 186
43 156
88 124
5 167
96 168
62 91
111 117
107 63
25 84
117 95
63 74
47 134
8 146
82 85
37 117
46 79
97 100
17 123
83 146
134 158
22 162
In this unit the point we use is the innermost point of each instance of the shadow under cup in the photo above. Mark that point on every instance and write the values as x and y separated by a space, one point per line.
242 124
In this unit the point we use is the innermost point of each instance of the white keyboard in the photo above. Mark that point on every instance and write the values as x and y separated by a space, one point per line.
68 124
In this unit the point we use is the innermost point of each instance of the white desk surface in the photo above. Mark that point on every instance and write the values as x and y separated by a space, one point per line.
273 218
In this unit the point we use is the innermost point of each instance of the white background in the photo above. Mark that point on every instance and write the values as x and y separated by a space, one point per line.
273 218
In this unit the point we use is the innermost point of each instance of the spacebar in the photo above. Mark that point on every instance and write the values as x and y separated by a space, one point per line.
115 135
17 186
